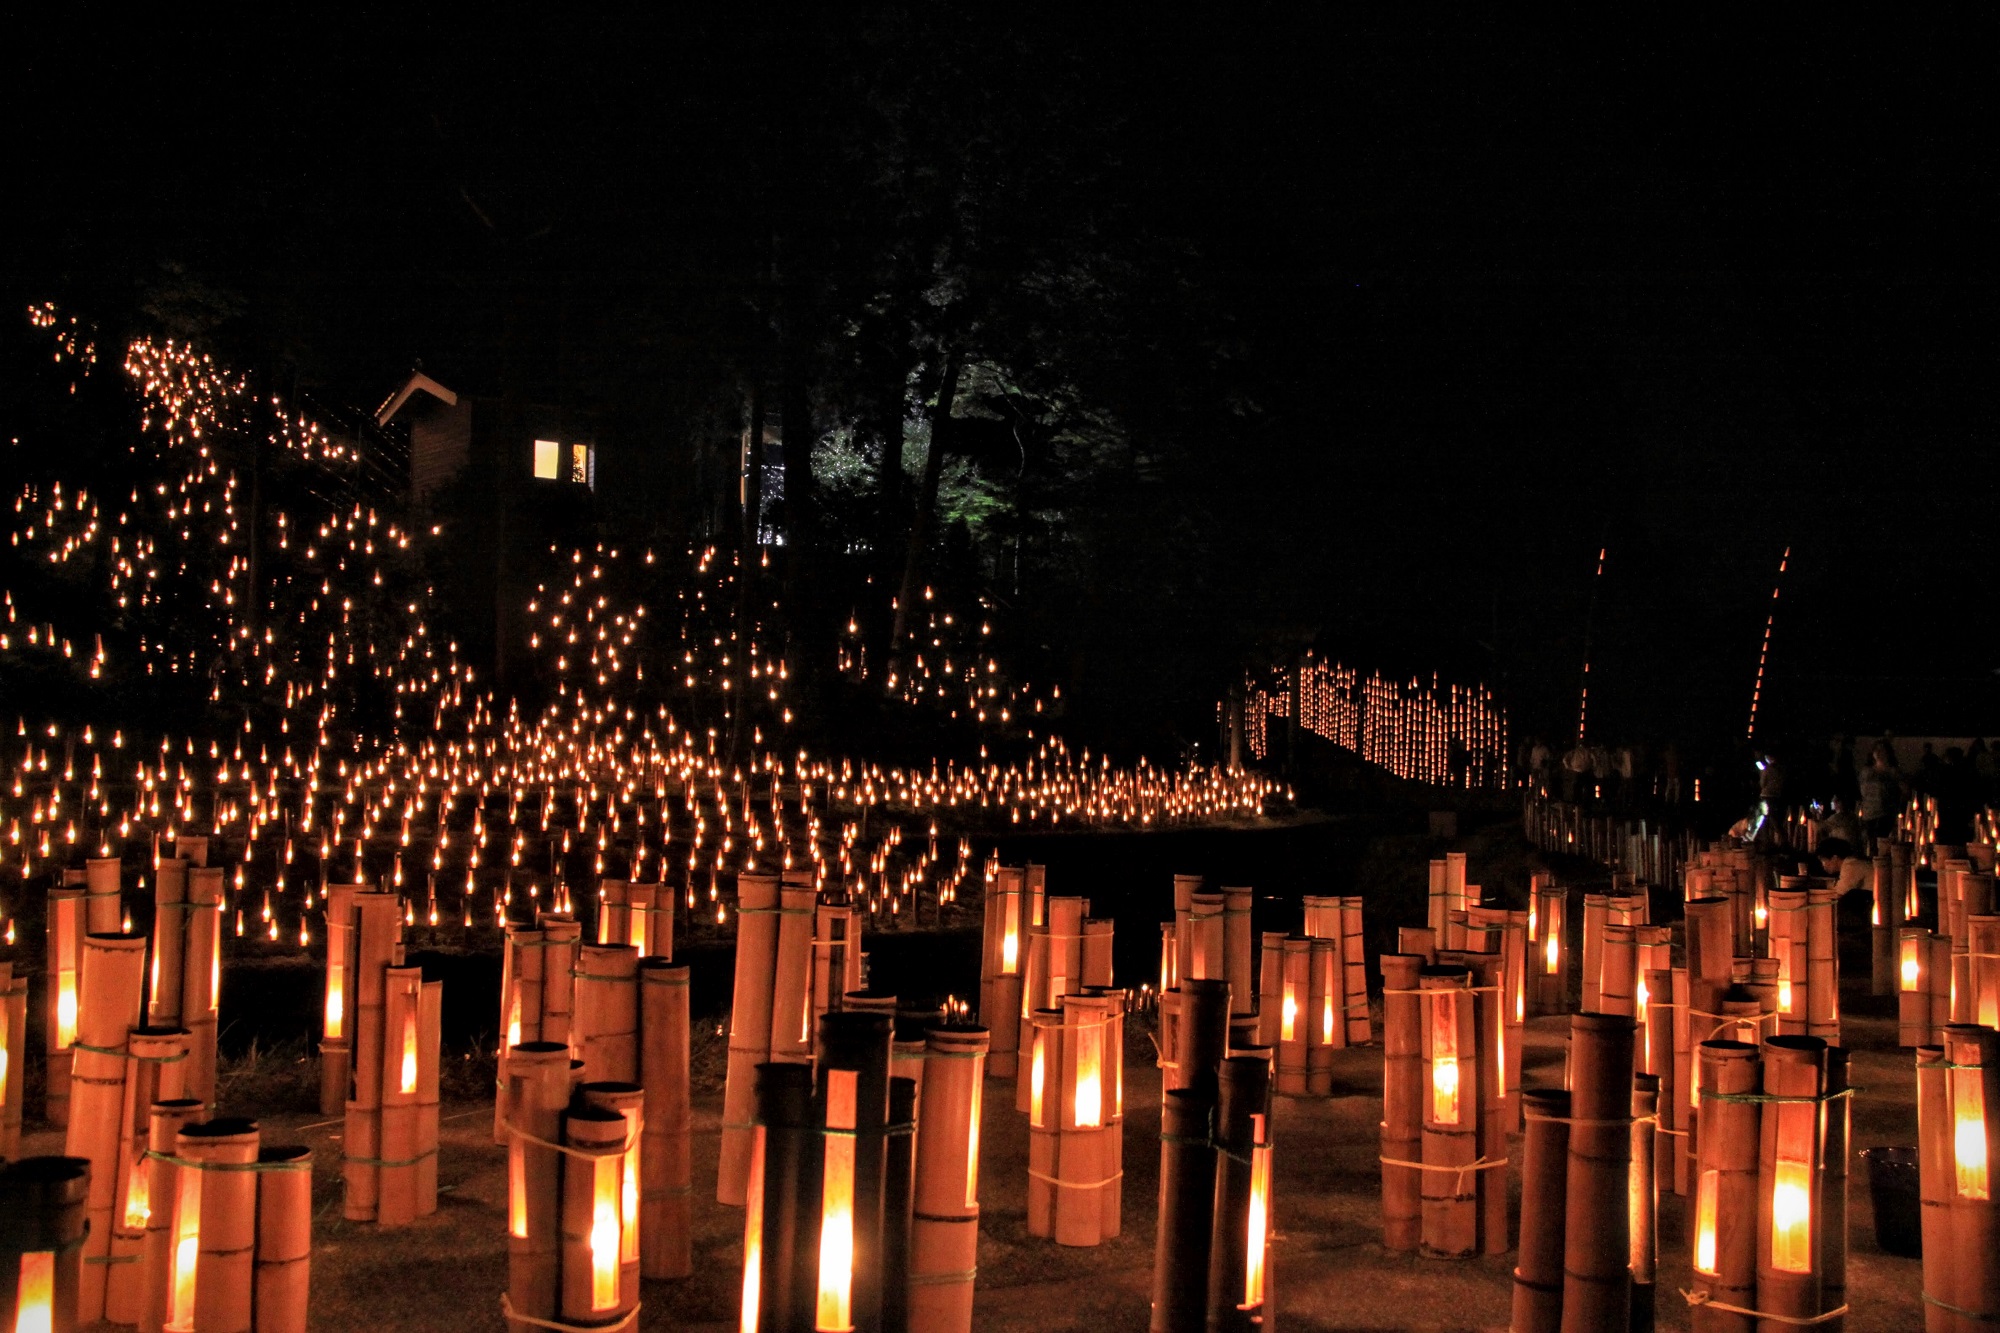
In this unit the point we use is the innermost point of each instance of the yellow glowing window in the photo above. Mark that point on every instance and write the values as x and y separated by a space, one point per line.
548 457
579 464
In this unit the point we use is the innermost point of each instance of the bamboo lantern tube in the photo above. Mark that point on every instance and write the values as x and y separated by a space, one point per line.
201 978
1085 1212
1187 1212
1402 1102
393 1160
853 1087
1185 888
1236 938
103 905
1044 1075
378 933
1538 1266
1643 1201
1295 1016
165 1121
627 1100
211 1279
791 1032
1270 987
522 958
613 911
773 1295
1496 1120
607 1012
1202 1038
13 1050
1549 969
1656 1055
1239 1252
1786 940
1687 1099
170 903
1420 940
538 1088
1939 974
1326 1026
1832 1201
561 937
592 1290
1206 956
336 1041
42 1211
1913 996
65 955
749 1028
1169 957
1617 973
430 1035
1885 919
1592 938
1725 1219
1822 999
1597 1244
156 1072
1788 1169
1450 1102
1710 947
1000 973
1354 966
1457 894
900 1148
111 996
1983 937
944 1229
1958 1111
1438 900
1098 935
666 1161
283 1270
652 926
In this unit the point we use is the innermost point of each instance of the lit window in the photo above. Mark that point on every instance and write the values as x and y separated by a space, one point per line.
579 464
547 453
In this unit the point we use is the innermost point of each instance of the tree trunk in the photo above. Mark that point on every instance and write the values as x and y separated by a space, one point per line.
920 523
889 484
795 409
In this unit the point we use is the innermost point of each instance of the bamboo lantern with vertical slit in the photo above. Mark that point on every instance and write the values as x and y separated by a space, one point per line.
1206 955
42 1219
1187 1211
1000 972
627 1100
1538 1266
111 998
749 1027
13 1050
1043 1074
1402 1101
1548 971
378 938
538 1089
666 1161
1326 1027
1239 1244
607 1012
1958 1113
593 1290
1295 1016
1788 1170
1451 1113
1270 986
1236 938
156 1072
201 977
283 1270
1086 1161
211 1282
394 1160
1597 1246
853 1088
944 1233
65 956
165 1120
1724 1227
1913 996
1643 1201
1354 965
1822 998
336 1015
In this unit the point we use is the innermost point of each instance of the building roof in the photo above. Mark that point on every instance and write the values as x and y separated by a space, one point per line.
417 383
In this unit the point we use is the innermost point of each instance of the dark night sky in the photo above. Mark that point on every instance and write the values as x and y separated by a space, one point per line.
1513 294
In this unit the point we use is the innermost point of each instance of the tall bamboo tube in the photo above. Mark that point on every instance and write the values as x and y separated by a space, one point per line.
1207 957
1402 1101
613 911
1044 1068
607 1012
1451 1102
1548 971
42 1219
1326 1026
1687 1098
1592 939
221 1192
1831 1204
1354 966
627 1100
378 930
1958 1115
165 1121
859 1042
156 1072
1655 1055
1643 1200
593 1290
1724 1228
1295 1016
1270 986
1886 918
1617 972
430 1036
1494 1118
201 978
1000 972
112 996
336 1044
65 955
561 937
283 1273
1453 936
1098 936
170 903
1236 939
1084 1157
1938 972
537 1091
1203 1038
394 1159
1938 1187
13 1062
1538 1267
1822 1010
1787 938
1788 1168
103 905
666 1162
757 917
1242 1115
1185 888
944 1238
898 1183
1710 947
791 994
1597 1244
774 1299
1438 901
522 959
1187 1212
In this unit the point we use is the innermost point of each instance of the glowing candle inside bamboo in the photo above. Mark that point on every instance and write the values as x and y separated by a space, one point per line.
1260 1215
35 1297
1968 1125
833 1310
1444 1057
605 1228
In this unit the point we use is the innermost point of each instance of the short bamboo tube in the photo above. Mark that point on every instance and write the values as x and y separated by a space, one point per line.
1724 1229
629 1101
538 1090
218 1185
112 996
1597 1244
1402 1102
666 1163
591 1170
944 1232
1538 1265
283 1271
165 1121
1451 1113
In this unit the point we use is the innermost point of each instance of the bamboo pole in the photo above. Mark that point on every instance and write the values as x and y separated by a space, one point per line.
112 996
165 1120
757 917
1203 1035
1725 1225
1831 1205
43 1203
1594 914
607 1012
1185 888
774 1300
1597 1244
1270 986
1098 936
1687 1099
1402 1101
1538 1267
899 1146
1963 1103
944 1239
283 1271
1822 1007
667 1156
1236 1256
65 956
791 1033
1084 1161
201 978
1236 939
218 1188
156 1071
1643 1201
538 1088
1187 1211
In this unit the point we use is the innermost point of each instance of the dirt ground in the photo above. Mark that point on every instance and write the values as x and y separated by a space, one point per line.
1330 1272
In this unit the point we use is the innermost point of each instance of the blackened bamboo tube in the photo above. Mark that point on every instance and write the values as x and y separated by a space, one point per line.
1187 1212
1644 1200
776 1234
170 902
225 1192
112 996
860 1042
1597 1244
607 1012
164 1124
201 978
537 1092
336 1046
1538 1266
1402 1102
1970 1130
1788 1165
629 1101
103 905
1242 1110
1724 1188
156 1072
666 1161
283 1273
1831 1205
394 1158
65 955
592 1292
944 1234
749 1028
1204 1032
898 1167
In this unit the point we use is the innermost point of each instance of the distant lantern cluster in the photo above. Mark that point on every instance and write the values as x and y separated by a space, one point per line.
1452 735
